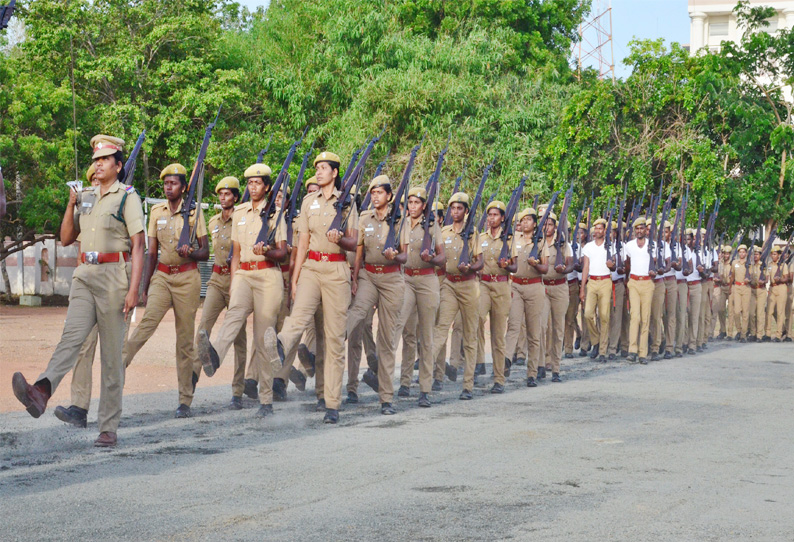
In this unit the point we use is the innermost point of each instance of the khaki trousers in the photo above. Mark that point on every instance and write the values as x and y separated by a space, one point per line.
515 325
81 376
216 300
357 340
616 323
693 318
327 283
387 291
706 298
313 339
557 297
458 297
776 308
181 292
571 325
761 296
526 304
657 315
718 307
671 310
420 306
741 308
258 291
494 301
598 297
585 342
681 316
640 297
96 298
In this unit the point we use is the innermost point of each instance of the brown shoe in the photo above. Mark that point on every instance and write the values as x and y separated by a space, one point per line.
33 397
106 439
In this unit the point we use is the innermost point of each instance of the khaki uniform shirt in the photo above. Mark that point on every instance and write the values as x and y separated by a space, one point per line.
550 252
372 233
221 234
521 248
739 271
724 273
771 272
98 230
316 216
491 248
453 246
246 225
413 235
167 227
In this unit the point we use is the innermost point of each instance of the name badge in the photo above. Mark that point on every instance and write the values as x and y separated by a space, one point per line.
242 222
315 205
485 244
370 228
161 221
448 241
217 229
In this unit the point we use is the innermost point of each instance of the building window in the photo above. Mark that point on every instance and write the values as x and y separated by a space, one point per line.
718 29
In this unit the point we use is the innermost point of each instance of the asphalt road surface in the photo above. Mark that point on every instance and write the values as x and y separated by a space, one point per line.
698 448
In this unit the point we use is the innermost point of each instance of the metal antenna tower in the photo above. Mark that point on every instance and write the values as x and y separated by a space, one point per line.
595 41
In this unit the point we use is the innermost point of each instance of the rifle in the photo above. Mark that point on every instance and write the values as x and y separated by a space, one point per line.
510 213
428 241
653 209
575 240
559 243
350 185
783 256
264 235
132 160
735 245
468 229
368 197
447 216
660 241
2 195
481 224
684 206
295 197
765 250
535 202
749 257
392 238
5 14
608 234
196 178
708 241
538 233
698 244
619 240
263 152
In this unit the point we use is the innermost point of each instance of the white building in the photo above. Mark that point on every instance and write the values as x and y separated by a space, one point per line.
713 21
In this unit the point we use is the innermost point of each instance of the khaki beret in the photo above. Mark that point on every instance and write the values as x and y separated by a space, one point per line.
525 212
380 180
777 248
757 249
438 206
89 175
727 248
105 145
257 170
553 216
614 225
582 226
327 157
668 225
496 204
600 221
418 192
230 183
639 222
311 180
173 169
690 231
459 197
742 246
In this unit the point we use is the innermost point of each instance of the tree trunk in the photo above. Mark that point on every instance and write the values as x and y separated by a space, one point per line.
6 279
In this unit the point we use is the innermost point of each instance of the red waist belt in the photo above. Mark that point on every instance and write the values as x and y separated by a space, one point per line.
102 257
573 281
382 269
326 257
525 281
554 282
284 268
440 272
671 277
251 266
176 269
460 277
494 278
413 272
758 287
600 277
221 270
637 277
693 282
680 281
708 280
740 283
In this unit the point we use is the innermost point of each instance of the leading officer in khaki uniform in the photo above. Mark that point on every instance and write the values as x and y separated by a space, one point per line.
740 294
102 293
494 295
172 280
640 288
321 275
219 286
778 274
723 280
257 286
460 293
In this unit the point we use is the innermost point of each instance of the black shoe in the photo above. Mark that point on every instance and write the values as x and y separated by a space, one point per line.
451 372
643 361
416 365
679 354
508 365
386 409
582 353
75 415
632 358
274 352
352 398
655 357
594 351
612 357
370 378
498 388
787 340
568 355
307 359
766 338
668 355
541 372
699 349
721 336
297 378
555 377
465 395
320 406
742 340
236 403
250 389
752 339
207 354
737 337
577 343
531 383
279 390
775 340
265 410
624 353
183 411
479 369
690 352
424 401
520 361
331 416
437 385
404 391
602 359
372 362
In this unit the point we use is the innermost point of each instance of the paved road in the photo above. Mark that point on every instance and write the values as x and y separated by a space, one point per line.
698 448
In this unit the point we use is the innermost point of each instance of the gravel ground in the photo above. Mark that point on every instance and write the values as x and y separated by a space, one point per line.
697 448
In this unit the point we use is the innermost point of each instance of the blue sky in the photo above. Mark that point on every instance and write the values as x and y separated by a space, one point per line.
643 19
